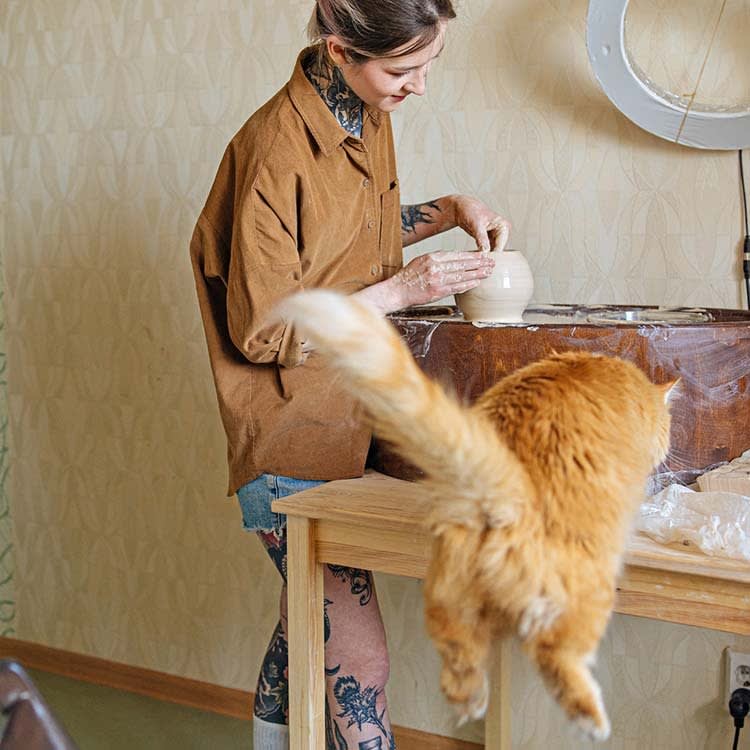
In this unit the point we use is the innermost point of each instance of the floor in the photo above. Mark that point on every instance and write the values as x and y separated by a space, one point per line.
100 718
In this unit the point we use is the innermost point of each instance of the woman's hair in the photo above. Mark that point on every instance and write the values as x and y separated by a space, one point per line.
375 28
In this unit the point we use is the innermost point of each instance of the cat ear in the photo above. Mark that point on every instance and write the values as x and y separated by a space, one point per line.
669 389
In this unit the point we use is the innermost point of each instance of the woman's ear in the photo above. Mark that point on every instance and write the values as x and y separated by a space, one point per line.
336 50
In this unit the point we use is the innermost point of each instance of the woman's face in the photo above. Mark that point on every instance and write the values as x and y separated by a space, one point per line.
385 82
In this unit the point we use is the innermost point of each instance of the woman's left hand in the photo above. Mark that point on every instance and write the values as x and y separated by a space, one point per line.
489 230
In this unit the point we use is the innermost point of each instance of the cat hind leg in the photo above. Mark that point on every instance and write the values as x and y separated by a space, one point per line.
456 620
463 646
575 689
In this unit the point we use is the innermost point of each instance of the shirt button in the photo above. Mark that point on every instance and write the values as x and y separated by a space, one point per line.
365 182
371 224
374 270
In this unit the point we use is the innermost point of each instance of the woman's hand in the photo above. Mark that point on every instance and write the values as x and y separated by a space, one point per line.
489 230
436 275
428 278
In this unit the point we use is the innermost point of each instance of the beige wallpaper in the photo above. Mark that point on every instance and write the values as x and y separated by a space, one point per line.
114 116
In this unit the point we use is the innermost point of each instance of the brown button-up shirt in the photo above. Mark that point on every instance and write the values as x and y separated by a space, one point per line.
297 202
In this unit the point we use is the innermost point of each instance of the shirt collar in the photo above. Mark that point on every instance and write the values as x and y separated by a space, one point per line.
321 123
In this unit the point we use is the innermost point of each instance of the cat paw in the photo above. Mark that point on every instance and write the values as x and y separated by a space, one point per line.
592 720
475 707
540 614
592 730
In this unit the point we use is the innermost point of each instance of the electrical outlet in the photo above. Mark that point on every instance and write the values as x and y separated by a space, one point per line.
737 671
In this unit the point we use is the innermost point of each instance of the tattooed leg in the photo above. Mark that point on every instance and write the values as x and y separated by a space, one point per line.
356 659
272 692
274 542
356 663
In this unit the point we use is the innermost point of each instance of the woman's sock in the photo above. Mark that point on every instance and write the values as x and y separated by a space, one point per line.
269 736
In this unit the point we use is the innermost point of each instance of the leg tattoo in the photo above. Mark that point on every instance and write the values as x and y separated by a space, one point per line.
360 581
272 693
275 543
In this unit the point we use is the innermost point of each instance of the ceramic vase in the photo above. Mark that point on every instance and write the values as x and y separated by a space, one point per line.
503 296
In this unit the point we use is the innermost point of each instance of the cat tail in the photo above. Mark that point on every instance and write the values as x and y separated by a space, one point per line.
476 479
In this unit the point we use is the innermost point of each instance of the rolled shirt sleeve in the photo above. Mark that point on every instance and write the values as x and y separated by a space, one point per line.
265 268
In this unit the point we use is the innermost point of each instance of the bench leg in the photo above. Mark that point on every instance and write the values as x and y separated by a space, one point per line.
497 721
305 632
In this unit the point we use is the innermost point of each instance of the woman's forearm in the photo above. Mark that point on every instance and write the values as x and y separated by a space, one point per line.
385 296
488 228
422 220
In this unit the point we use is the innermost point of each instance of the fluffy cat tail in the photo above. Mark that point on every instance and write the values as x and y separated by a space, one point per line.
477 479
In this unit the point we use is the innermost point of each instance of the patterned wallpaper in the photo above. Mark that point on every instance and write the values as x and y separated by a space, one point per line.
114 117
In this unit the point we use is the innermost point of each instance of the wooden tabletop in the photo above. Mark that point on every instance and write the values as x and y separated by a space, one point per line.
372 499
376 522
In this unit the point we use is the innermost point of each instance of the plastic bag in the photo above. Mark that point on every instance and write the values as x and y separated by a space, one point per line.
718 523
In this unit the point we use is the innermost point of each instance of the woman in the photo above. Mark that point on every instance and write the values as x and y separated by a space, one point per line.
307 196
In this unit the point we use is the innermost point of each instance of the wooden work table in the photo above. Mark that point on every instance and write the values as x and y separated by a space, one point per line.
375 523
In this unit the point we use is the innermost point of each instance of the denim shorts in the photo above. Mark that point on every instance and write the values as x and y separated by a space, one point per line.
256 497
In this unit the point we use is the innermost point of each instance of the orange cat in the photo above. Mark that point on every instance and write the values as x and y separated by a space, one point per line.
534 488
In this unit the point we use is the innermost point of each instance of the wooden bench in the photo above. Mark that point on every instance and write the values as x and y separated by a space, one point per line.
375 523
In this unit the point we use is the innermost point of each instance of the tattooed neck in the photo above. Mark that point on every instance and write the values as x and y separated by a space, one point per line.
328 81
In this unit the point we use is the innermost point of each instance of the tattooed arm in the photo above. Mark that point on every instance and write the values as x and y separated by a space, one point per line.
437 275
421 220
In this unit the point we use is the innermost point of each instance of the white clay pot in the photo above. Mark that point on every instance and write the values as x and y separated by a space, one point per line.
503 296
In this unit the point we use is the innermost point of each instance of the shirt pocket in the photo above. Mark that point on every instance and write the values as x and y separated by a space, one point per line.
391 253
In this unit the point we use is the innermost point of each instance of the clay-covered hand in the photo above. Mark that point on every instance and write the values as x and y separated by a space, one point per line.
489 230
436 275
428 278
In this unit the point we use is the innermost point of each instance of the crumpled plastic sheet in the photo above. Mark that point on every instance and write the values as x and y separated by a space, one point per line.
717 523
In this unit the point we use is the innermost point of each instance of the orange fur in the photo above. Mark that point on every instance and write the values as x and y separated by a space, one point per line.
535 486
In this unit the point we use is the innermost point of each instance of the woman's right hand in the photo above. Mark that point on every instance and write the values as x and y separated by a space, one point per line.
428 278
436 275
